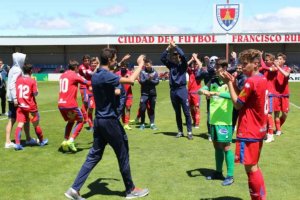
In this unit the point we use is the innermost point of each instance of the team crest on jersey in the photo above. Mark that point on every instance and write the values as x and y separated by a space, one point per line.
227 15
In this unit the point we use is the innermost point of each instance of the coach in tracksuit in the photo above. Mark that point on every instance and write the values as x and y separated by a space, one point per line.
148 80
174 59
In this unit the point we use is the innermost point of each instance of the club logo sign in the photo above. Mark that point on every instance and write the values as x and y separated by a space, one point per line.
227 15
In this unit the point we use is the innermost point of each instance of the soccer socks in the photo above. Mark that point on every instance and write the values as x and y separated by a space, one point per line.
270 124
90 118
77 130
18 135
197 116
256 185
277 124
68 129
229 158
219 156
39 133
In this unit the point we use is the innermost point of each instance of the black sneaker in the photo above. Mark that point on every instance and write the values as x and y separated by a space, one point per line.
137 192
216 176
228 181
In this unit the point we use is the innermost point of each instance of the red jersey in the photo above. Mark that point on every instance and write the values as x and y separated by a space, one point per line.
194 85
253 115
271 80
127 87
86 73
68 86
26 88
282 82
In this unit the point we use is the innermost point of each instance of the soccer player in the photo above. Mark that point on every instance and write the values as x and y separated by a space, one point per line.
149 80
107 127
220 123
177 64
252 122
194 67
269 70
125 72
281 102
86 72
27 107
13 74
68 106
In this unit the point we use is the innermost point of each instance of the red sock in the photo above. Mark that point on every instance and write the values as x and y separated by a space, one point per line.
84 113
270 124
282 120
18 135
256 185
39 133
126 118
68 129
90 121
77 130
197 116
277 124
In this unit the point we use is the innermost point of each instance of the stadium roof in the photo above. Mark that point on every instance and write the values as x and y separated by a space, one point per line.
232 38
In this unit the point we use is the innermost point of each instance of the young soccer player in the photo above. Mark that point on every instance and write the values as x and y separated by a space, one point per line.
281 103
194 67
220 123
148 80
174 59
252 123
67 104
107 127
26 88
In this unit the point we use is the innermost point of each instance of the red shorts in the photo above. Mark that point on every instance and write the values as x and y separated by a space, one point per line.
91 102
128 102
25 116
194 99
71 114
281 104
247 153
84 95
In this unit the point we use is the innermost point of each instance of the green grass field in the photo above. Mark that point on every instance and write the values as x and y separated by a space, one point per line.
173 169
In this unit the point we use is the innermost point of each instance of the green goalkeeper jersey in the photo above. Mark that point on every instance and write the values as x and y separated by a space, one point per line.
221 106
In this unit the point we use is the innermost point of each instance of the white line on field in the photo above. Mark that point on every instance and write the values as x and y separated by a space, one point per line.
295 105
43 111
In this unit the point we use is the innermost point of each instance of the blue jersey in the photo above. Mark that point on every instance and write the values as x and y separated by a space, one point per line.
177 77
104 84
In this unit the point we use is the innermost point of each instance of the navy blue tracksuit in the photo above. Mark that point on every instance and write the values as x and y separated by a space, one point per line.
148 80
178 90
107 130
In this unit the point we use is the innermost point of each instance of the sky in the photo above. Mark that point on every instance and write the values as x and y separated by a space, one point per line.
116 17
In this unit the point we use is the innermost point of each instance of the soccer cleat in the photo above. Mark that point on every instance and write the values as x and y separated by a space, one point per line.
9 145
196 126
137 192
142 126
18 147
179 134
190 136
127 127
228 181
32 142
73 194
216 176
153 127
270 138
64 146
44 142
278 133
71 146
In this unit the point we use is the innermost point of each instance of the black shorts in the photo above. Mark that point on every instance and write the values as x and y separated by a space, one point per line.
12 110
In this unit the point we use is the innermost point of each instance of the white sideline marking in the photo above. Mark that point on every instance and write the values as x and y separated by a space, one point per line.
295 105
43 111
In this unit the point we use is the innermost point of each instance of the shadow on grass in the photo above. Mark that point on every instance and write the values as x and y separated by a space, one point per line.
99 187
222 198
173 134
200 172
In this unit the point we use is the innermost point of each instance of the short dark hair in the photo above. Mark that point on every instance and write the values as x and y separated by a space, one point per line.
107 54
249 55
86 56
27 68
147 60
73 64
271 56
281 55
222 62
